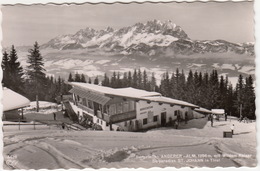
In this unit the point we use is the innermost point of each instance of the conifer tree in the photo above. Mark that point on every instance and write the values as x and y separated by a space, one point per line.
118 81
135 79
77 77
165 85
124 82
139 79
213 92
113 80
35 72
96 81
70 79
15 75
129 79
249 98
190 88
153 82
6 70
82 78
239 100
145 81
105 81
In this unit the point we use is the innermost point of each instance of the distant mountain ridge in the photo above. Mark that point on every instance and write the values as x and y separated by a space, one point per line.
150 38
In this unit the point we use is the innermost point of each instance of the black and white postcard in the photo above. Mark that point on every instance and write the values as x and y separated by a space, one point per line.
128 84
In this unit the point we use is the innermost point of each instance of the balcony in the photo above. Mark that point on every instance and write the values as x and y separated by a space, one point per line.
88 110
123 117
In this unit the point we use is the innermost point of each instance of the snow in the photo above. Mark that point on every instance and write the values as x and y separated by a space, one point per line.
90 73
215 65
218 111
114 64
152 39
161 147
44 107
193 65
70 63
228 66
124 92
247 69
102 61
170 100
12 100
127 37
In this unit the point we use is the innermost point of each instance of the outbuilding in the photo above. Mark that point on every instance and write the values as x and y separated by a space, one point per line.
13 104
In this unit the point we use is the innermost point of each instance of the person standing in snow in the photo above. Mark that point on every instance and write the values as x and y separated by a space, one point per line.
186 118
63 125
54 116
225 116
176 124
211 120
232 128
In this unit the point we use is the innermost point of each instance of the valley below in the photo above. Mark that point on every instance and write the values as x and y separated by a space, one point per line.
95 62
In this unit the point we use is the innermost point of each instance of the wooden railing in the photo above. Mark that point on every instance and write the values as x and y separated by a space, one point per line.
81 106
123 117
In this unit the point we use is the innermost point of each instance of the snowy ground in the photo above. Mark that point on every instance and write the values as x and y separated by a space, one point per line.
44 107
195 144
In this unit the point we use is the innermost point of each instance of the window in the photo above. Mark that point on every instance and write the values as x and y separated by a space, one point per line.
145 121
90 104
97 120
105 109
175 113
125 123
119 108
125 107
84 102
101 122
155 118
112 109
131 105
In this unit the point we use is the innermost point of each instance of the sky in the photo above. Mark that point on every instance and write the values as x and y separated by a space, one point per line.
231 21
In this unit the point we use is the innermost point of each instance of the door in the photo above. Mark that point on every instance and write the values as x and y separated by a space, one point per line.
163 118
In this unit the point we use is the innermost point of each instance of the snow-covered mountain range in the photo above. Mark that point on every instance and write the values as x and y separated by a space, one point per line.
150 38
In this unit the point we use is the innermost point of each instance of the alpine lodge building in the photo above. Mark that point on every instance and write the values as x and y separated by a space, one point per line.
127 109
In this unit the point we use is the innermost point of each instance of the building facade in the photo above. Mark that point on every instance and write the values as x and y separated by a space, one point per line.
125 109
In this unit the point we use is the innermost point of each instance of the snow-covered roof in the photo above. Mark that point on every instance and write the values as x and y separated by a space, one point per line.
170 101
12 100
203 110
125 92
132 93
218 111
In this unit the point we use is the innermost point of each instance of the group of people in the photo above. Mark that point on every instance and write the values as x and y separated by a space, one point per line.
179 119
211 118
